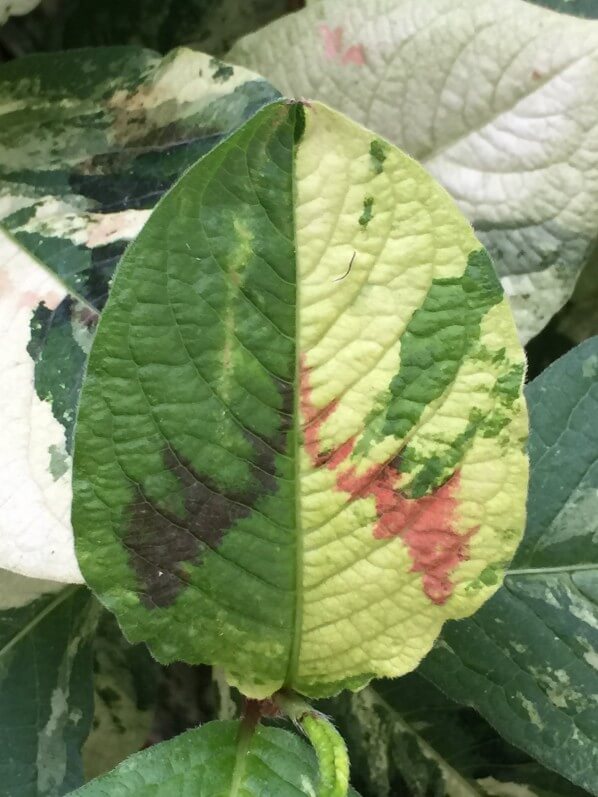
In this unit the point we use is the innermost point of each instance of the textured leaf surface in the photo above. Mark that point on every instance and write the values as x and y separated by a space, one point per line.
82 162
528 660
46 701
300 441
498 99
209 762
125 686
406 737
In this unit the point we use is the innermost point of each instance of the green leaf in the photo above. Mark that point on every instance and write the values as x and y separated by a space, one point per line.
82 163
212 761
406 737
579 8
210 25
497 98
528 660
46 702
125 685
331 750
299 446
333 761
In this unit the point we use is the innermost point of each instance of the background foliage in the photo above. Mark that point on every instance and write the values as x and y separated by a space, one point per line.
505 704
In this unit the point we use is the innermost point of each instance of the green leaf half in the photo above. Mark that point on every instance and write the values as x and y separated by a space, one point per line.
299 447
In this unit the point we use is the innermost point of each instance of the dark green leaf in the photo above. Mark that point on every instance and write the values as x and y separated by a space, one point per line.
578 8
406 737
211 761
528 660
46 702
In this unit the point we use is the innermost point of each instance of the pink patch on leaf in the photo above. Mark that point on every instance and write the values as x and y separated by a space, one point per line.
312 417
333 41
354 55
426 524
333 47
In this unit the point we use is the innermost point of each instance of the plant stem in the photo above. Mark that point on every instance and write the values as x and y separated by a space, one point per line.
249 722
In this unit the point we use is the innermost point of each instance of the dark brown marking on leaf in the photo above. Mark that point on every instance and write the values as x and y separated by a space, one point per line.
160 543
397 460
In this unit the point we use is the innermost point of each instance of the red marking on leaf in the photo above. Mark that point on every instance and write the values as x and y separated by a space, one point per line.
333 47
340 454
333 41
354 55
312 417
426 524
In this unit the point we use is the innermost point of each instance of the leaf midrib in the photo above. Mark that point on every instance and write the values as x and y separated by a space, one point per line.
540 571
297 630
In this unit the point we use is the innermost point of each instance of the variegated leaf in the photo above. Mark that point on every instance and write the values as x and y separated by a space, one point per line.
406 737
77 188
82 163
528 660
46 699
125 686
46 336
300 444
497 98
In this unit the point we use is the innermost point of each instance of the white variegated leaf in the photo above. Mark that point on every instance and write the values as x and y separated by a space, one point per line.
497 98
